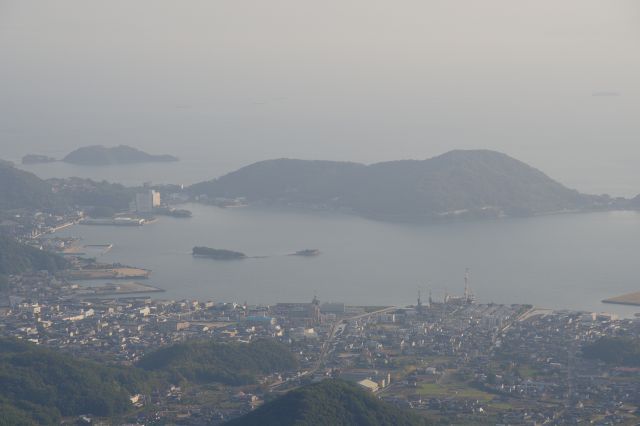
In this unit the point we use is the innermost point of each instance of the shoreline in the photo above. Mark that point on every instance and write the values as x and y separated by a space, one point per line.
628 299
112 289
116 273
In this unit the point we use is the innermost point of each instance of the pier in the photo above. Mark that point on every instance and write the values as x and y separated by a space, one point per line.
112 289
108 273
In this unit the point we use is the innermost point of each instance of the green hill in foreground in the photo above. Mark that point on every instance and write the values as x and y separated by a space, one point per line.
39 386
229 363
331 402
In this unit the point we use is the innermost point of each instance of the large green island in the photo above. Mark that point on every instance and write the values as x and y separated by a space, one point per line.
218 254
98 155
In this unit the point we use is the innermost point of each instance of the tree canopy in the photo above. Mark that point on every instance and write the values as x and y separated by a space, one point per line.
330 402
38 385
229 363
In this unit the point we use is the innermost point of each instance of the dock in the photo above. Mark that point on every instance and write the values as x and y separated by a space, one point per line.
117 221
85 250
632 299
108 273
112 289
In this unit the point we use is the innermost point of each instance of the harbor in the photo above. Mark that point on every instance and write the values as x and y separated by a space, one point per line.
349 268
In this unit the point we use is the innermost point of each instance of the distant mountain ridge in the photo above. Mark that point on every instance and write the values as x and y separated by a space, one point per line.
330 402
457 184
98 155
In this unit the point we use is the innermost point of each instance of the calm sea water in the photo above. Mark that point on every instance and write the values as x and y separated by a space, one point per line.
565 261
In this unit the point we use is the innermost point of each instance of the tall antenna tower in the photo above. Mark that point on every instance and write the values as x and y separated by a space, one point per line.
466 284
468 294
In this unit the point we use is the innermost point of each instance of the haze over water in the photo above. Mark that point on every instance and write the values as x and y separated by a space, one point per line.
222 84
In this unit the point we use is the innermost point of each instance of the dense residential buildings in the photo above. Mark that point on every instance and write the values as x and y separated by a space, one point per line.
462 362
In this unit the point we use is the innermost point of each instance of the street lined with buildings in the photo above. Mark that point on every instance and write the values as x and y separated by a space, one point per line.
454 359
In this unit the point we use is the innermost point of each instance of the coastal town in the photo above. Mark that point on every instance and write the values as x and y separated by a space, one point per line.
332 213
449 359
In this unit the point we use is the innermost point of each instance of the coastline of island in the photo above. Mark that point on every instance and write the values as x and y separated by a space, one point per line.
217 254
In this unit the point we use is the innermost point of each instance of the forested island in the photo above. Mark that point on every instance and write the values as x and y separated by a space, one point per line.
218 254
97 155
459 184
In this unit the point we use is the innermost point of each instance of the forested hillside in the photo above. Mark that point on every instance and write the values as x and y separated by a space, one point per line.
232 363
331 402
38 385
458 184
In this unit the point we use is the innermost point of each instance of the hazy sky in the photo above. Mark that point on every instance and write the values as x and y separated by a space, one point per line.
232 82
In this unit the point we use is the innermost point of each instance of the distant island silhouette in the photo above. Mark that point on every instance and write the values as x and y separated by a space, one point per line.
98 155
458 185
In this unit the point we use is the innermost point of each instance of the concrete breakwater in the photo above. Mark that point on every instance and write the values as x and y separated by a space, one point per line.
632 299
108 273
120 288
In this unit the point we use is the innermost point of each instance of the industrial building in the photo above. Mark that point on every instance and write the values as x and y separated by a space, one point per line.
145 202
